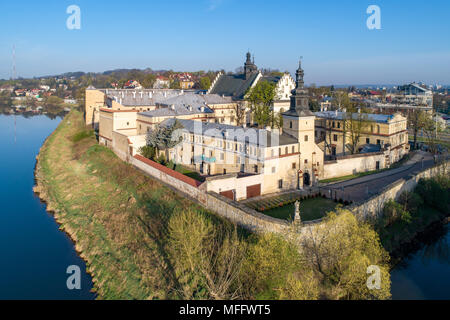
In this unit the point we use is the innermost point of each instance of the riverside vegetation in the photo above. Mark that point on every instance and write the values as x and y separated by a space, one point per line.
142 240
413 212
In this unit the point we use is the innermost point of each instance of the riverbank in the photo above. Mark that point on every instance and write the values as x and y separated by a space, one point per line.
88 190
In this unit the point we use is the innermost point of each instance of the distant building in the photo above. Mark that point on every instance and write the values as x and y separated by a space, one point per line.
161 83
385 131
132 84
415 94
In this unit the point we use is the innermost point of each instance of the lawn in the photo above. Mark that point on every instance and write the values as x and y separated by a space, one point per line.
189 173
310 209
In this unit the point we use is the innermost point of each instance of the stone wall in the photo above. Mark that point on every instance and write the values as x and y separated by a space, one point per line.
231 210
352 164
254 221
372 208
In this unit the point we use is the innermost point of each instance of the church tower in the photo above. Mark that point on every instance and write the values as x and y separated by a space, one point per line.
299 122
249 66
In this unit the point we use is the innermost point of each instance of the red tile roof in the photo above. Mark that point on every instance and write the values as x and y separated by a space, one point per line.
169 172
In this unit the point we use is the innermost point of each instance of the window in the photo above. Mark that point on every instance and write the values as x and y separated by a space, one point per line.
334 125
339 125
378 142
306 138
294 166
280 184
256 169
293 149
335 138
306 161
287 150
222 156
368 140
290 124
224 171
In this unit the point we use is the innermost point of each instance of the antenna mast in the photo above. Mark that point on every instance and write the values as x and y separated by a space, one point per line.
14 72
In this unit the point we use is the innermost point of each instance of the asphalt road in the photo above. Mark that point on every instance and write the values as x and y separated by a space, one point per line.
363 188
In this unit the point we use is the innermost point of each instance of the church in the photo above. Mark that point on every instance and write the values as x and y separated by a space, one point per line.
238 85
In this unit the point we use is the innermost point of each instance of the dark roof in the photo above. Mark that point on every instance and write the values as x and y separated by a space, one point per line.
274 79
235 85
338 115
369 148
263 138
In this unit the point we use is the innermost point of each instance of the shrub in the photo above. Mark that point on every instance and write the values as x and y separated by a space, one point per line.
435 193
411 201
394 212
148 152
171 165
162 159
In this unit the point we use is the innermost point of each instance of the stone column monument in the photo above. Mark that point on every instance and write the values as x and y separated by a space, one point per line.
297 218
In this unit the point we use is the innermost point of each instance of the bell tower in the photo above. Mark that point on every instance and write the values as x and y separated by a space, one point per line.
249 66
299 122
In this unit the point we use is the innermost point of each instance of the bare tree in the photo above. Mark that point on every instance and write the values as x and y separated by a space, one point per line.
240 111
356 124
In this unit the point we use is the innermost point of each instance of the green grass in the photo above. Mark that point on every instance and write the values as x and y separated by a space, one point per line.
114 213
310 209
425 140
82 135
189 173
350 177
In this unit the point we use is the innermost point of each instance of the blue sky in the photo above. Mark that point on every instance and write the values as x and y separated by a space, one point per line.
331 35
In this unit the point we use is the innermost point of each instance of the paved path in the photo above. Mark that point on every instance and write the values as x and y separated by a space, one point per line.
363 188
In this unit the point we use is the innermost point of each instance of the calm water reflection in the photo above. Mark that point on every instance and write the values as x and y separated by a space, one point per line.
425 274
34 253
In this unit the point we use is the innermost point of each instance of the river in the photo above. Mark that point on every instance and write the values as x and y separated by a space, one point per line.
424 273
35 254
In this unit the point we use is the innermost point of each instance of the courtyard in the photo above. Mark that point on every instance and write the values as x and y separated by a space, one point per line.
283 206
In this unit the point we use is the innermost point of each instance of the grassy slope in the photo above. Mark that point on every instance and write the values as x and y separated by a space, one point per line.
114 214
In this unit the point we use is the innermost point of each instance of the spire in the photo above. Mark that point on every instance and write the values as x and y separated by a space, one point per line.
300 97
300 83
249 66
249 57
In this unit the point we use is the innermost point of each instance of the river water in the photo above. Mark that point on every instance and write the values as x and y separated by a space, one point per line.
34 253
425 272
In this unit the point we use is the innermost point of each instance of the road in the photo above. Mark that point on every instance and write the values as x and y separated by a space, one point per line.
363 188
